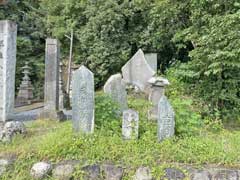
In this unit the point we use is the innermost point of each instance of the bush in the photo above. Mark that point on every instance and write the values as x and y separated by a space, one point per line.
106 112
188 118
213 72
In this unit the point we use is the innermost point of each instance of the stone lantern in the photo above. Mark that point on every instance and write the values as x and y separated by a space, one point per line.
25 94
157 89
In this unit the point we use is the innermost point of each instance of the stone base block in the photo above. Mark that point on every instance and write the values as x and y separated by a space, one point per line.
152 114
52 115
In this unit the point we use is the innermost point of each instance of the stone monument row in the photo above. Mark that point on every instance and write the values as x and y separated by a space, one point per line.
8 36
83 101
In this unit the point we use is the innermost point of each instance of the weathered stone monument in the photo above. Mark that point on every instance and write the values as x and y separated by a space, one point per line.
130 124
151 58
83 101
8 36
157 90
116 89
51 87
166 122
137 71
25 93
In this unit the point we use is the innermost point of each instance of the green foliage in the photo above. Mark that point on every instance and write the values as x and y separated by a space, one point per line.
213 72
55 142
30 41
52 141
203 34
188 122
187 114
106 112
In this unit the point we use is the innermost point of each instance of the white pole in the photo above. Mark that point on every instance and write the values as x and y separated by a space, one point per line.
70 63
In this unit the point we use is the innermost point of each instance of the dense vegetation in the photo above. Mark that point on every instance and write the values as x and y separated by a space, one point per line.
199 39
53 141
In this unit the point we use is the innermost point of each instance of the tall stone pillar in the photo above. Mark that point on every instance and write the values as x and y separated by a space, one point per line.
51 87
8 37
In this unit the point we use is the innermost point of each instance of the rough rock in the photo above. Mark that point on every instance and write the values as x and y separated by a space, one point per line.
4 164
226 175
201 175
173 174
92 172
11 128
41 170
63 172
112 172
143 173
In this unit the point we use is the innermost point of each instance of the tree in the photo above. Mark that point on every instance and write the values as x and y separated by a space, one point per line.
30 40
213 72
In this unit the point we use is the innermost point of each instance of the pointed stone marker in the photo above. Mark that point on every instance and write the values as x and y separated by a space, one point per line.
166 123
83 101
116 89
137 71
8 38
130 124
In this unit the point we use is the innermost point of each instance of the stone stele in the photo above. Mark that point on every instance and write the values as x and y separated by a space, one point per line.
83 101
116 89
130 124
137 71
51 86
166 123
8 36
151 58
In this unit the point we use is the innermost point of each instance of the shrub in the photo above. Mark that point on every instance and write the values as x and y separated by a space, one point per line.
188 118
106 112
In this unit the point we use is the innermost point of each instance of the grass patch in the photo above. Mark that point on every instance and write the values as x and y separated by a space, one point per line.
53 141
